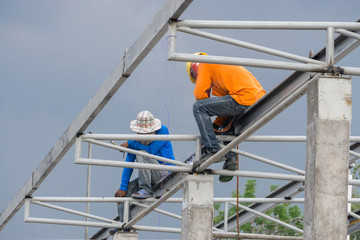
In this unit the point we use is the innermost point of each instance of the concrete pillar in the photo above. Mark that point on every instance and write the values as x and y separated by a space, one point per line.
327 162
126 236
198 209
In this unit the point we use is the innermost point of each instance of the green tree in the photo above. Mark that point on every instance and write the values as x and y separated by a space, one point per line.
355 194
355 207
285 212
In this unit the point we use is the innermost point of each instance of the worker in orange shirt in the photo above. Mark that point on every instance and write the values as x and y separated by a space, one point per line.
234 89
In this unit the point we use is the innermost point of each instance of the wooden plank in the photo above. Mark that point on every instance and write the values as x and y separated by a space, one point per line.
172 9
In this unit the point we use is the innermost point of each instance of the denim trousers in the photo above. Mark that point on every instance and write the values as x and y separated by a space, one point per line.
146 179
215 106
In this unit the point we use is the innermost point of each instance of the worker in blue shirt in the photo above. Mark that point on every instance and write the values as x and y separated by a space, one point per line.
142 187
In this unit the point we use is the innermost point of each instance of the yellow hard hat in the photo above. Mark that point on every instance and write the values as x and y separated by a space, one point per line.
188 68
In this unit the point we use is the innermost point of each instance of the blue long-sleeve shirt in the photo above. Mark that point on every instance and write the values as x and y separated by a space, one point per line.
158 148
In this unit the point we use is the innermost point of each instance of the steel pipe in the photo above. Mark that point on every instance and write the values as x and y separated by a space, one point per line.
247 45
268 161
353 215
181 137
350 71
169 200
270 218
87 215
276 138
156 229
97 199
141 153
154 205
355 154
279 25
171 38
112 163
330 46
88 182
354 182
182 57
253 174
197 149
159 211
126 211
253 236
73 222
226 212
138 137
259 200
348 33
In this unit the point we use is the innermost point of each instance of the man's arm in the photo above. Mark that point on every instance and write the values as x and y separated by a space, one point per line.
153 147
203 83
127 172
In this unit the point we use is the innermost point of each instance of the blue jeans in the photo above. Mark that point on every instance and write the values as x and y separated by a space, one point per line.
215 106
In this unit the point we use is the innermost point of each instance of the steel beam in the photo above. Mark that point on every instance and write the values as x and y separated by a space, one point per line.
286 191
343 46
154 205
279 25
247 45
172 9
249 62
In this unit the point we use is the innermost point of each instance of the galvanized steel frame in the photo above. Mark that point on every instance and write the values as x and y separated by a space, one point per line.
307 64
267 203
261 112
153 203
181 166
343 45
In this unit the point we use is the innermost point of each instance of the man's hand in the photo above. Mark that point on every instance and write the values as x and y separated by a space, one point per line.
120 193
124 144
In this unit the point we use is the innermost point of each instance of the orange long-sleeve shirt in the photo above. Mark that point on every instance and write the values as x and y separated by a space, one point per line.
223 80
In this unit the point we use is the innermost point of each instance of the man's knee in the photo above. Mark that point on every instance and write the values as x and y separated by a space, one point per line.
195 107
198 107
141 159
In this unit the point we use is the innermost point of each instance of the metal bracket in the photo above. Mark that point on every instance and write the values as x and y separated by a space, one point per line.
337 71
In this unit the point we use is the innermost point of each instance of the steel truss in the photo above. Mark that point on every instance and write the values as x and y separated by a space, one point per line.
151 204
181 166
258 115
305 65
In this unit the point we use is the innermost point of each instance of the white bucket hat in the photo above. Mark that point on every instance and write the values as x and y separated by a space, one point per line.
145 123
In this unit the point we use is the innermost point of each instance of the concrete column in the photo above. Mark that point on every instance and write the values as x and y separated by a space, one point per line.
126 236
327 162
198 209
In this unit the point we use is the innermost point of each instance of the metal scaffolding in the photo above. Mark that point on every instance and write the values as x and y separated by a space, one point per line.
307 73
149 205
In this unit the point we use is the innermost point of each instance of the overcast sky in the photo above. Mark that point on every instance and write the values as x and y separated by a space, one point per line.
54 55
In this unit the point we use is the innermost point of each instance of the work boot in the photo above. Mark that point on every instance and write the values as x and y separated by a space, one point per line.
113 231
229 164
205 157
